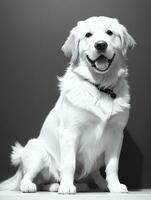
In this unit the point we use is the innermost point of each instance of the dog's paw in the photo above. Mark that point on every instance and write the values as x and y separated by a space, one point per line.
54 187
28 186
118 188
67 189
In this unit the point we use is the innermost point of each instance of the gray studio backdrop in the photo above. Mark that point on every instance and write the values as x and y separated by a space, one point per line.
31 35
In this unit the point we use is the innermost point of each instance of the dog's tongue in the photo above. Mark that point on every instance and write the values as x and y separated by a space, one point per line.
102 63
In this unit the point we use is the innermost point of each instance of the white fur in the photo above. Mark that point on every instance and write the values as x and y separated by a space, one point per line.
84 130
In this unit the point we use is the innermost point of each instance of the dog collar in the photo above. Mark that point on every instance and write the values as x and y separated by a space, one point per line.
106 90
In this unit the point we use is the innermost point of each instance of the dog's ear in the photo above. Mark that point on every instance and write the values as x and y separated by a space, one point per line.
71 46
127 40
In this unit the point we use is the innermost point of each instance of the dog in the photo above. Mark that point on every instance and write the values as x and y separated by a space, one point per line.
84 130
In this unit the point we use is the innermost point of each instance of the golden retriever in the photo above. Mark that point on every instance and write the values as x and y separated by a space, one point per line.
84 130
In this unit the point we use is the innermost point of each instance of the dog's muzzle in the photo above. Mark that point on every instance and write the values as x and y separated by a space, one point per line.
102 63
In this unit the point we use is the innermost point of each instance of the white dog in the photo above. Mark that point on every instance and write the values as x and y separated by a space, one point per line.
84 130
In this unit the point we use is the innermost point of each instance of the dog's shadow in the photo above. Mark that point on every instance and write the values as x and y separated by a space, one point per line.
131 163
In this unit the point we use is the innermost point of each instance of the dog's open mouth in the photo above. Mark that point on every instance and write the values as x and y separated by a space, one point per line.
102 63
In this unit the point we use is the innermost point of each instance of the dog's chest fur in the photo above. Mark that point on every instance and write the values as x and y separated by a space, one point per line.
78 98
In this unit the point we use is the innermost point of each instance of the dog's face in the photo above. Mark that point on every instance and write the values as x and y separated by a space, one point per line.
100 43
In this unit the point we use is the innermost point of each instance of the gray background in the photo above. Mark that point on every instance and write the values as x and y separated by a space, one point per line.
31 35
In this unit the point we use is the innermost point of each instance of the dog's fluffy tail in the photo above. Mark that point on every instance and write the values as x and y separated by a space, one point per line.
13 183
16 154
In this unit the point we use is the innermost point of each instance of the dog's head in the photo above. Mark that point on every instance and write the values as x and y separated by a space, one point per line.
98 43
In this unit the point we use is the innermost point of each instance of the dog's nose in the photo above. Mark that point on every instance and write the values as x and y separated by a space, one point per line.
101 45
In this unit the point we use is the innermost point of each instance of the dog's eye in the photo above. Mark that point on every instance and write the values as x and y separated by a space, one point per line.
109 32
88 34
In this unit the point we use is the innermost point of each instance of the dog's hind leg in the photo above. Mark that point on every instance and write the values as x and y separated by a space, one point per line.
27 184
33 162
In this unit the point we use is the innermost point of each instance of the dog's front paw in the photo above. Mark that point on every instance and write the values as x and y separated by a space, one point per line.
27 186
117 188
66 188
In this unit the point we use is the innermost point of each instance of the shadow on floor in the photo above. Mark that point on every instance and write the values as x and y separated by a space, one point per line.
131 163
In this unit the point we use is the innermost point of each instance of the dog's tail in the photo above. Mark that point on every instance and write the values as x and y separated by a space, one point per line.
13 183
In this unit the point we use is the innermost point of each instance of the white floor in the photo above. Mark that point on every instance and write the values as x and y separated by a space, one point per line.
144 194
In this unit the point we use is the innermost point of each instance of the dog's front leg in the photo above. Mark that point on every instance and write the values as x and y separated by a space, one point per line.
112 155
68 142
